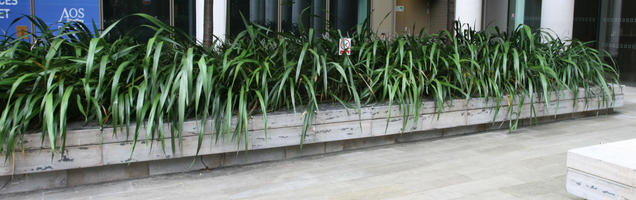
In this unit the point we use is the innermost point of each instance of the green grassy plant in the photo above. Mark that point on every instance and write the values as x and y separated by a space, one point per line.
72 74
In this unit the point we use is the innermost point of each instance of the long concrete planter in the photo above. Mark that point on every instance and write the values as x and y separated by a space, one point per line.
332 123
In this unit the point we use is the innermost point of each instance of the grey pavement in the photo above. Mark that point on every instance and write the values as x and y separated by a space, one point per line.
526 164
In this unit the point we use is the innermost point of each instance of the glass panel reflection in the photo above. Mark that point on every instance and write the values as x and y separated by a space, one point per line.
612 23
345 15
184 16
117 9
262 12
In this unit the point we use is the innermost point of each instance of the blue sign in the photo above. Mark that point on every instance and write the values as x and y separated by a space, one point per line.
10 10
57 12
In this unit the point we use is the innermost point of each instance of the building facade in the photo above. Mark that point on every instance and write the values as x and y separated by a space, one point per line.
608 23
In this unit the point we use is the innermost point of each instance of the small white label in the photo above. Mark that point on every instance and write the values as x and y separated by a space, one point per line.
399 8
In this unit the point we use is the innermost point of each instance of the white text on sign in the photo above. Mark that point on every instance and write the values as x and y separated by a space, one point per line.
8 2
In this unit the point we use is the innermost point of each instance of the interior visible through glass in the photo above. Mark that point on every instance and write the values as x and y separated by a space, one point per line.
612 24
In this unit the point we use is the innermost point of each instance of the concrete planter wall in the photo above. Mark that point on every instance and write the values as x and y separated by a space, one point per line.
332 124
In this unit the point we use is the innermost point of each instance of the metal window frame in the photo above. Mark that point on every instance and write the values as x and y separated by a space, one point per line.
101 14
171 12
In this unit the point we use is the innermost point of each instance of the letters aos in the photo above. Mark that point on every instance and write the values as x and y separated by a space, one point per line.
72 14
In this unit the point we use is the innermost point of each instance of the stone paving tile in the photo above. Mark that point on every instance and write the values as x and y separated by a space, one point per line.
528 163
491 195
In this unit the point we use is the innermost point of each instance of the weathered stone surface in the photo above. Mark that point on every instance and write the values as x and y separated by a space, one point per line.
35 161
212 161
418 136
463 130
528 164
336 146
369 142
342 131
331 124
262 155
327 114
308 150
107 173
33 181
170 166
613 161
595 188
603 171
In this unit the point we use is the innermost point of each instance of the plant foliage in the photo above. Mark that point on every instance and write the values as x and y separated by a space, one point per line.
73 74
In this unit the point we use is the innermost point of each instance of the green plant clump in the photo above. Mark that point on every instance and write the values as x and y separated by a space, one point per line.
72 74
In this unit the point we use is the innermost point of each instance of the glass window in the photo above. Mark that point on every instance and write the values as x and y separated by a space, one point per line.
293 16
117 9
262 12
345 15
184 16
586 17
612 23
308 13
526 12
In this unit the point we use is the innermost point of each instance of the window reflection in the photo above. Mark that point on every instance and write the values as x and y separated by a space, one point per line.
117 9
345 15
613 24
526 12
184 16
262 12
294 14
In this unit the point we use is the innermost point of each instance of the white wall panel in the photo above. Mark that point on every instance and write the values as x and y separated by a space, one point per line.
469 12
557 17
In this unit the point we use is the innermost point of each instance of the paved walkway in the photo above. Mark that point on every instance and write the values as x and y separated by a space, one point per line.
528 164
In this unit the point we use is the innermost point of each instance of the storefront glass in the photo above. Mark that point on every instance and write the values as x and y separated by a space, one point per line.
308 13
344 14
612 24
262 12
116 9
526 12
184 17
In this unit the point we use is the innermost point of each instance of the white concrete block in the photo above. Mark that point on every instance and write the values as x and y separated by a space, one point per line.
595 188
613 161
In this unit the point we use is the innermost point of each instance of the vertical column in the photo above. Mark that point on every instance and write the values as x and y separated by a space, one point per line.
557 17
220 18
199 15
469 12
